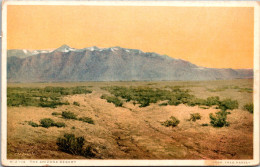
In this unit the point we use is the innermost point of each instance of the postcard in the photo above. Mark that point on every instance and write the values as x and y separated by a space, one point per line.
140 83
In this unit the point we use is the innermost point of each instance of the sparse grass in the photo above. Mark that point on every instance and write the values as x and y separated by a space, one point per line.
172 122
87 120
249 107
74 145
223 88
68 115
219 89
194 117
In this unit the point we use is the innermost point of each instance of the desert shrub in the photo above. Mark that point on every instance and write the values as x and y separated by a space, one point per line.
204 124
33 124
249 107
218 119
194 117
112 99
68 115
228 104
74 145
59 124
73 127
163 104
55 113
76 103
172 122
87 120
47 122
210 101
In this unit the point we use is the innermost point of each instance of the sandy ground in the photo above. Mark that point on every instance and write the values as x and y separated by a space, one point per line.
130 132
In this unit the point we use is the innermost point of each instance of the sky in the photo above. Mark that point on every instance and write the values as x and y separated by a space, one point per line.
215 37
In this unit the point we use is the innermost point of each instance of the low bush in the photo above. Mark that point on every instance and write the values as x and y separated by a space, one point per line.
210 101
172 122
59 124
219 119
33 124
228 104
47 122
55 113
74 145
68 115
249 107
204 124
87 120
194 117
76 103
163 104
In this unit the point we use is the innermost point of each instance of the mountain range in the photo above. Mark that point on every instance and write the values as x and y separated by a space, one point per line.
107 64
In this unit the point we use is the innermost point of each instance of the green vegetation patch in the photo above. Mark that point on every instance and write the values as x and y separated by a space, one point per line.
112 99
219 119
249 107
33 124
42 97
68 115
228 104
55 113
46 123
74 145
144 96
171 122
76 103
194 117
87 120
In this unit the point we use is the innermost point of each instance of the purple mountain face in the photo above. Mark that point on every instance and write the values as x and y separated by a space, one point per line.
107 64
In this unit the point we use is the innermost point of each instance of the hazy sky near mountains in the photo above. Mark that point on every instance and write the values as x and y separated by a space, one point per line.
219 37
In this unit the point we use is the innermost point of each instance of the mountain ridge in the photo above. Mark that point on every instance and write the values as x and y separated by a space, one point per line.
107 64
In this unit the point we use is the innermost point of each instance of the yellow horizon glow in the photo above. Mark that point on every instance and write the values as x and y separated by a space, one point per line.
216 37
